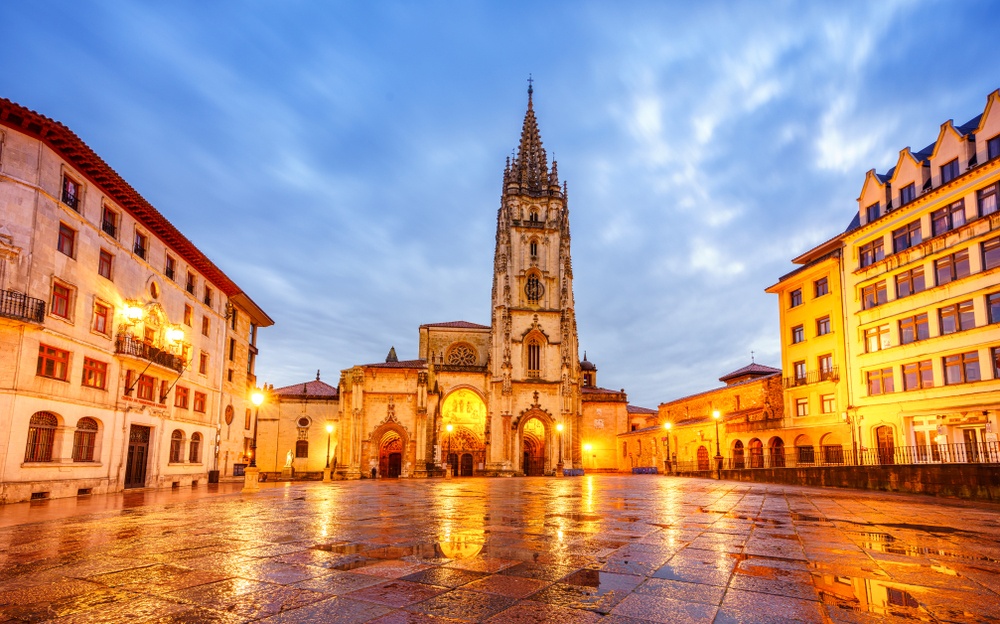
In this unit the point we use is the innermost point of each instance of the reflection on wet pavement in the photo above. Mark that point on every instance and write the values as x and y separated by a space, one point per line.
619 549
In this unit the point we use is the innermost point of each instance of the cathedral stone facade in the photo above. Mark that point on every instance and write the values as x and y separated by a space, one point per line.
505 399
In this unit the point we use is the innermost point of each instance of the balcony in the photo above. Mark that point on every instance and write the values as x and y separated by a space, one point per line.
109 228
125 344
139 250
21 307
811 377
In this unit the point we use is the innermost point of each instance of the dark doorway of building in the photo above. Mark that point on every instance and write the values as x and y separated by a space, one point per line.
390 455
777 453
395 465
702 458
886 446
738 455
534 448
467 465
453 464
138 454
756 453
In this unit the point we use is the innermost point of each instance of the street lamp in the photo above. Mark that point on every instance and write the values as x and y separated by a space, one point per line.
450 428
559 467
251 474
718 451
586 449
326 471
666 427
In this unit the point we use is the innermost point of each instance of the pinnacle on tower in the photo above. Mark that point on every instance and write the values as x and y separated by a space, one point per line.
529 169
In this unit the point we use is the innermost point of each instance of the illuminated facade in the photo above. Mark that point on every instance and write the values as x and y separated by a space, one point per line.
125 348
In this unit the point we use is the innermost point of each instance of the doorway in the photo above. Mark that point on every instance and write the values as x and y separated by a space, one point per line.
702 458
466 465
886 445
138 456
395 465
533 448
390 455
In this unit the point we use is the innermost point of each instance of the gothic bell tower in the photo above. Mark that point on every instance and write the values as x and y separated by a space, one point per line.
534 363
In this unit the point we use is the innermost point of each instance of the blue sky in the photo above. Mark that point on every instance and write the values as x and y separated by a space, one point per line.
342 161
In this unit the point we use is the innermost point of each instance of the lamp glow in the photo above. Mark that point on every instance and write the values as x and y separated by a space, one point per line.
329 428
175 335
588 447
716 415
667 426
559 427
257 398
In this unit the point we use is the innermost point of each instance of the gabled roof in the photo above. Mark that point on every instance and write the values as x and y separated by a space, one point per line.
403 364
752 369
315 388
635 409
457 325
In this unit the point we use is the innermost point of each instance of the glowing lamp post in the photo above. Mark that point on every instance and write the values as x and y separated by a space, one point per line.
448 474
666 438
326 471
587 448
718 450
251 482
559 466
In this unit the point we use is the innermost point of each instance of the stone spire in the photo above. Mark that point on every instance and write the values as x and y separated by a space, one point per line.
529 169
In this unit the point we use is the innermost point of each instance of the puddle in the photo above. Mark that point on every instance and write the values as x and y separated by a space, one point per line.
907 550
603 582
341 549
577 517
865 595
351 562
797 517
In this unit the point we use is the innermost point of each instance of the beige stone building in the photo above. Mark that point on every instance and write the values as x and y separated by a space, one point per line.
299 422
500 399
127 353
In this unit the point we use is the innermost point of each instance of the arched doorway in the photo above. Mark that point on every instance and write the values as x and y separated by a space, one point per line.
466 469
533 447
738 462
702 458
390 455
465 411
886 444
756 453
777 452
805 452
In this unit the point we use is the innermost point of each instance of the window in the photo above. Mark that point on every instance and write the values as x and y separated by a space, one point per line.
41 437
534 358
170 267
988 199
906 237
874 295
52 363
798 334
302 447
991 253
953 267
802 407
95 374
194 455
246 423
993 307
232 349
533 289
918 375
823 326
181 397
948 218
164 391
822 286
208 295
84 440
71 193
828 403
961 368
176 446
199 401
146 386
825 363
67 240
533 248
102 319
203 363
876 338
188 315
232 318
871 252
949 171
995 356
957 317
61 296
189 284
109 222
913 328
907 194
141 244
880 381
104 262
205 324
795 298
871 212
910 282
533 216
993 148
799 369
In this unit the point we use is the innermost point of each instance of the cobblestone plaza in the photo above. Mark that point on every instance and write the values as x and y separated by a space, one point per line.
597 548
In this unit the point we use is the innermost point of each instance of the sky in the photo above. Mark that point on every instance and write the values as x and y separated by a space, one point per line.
342 161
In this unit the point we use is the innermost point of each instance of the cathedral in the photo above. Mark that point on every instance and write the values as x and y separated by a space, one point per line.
509 398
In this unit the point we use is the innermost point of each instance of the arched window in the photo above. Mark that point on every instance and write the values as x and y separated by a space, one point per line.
534 358
302 448
84 440
176 446
194 454
41 436
533 216
533 289
533 247
462 355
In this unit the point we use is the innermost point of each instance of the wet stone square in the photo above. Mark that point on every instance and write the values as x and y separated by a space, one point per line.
597 548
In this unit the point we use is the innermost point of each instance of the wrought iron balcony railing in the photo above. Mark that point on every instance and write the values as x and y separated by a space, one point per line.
811 377
109 228
128 345
21 307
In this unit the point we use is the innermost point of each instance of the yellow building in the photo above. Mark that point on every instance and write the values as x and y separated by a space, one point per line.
127 354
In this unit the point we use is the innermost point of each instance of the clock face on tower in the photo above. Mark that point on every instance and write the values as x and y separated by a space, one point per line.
534 289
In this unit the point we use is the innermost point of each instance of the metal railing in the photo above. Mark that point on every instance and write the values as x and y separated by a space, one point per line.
127 345
109 228
21 307
831 455
811 377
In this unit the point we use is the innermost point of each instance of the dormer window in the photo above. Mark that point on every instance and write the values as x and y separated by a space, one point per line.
949 171
871 212
993 148
907 194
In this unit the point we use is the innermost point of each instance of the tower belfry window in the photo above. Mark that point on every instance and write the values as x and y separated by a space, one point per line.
533 217
533 289
534 358
533 247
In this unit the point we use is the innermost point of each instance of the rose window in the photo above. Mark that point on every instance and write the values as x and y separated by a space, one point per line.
463 355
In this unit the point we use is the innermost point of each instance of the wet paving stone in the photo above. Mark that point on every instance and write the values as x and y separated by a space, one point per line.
615 549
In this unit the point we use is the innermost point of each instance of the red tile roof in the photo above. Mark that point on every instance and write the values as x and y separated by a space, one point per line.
751 369
457 325
635 409
315 388
403 364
